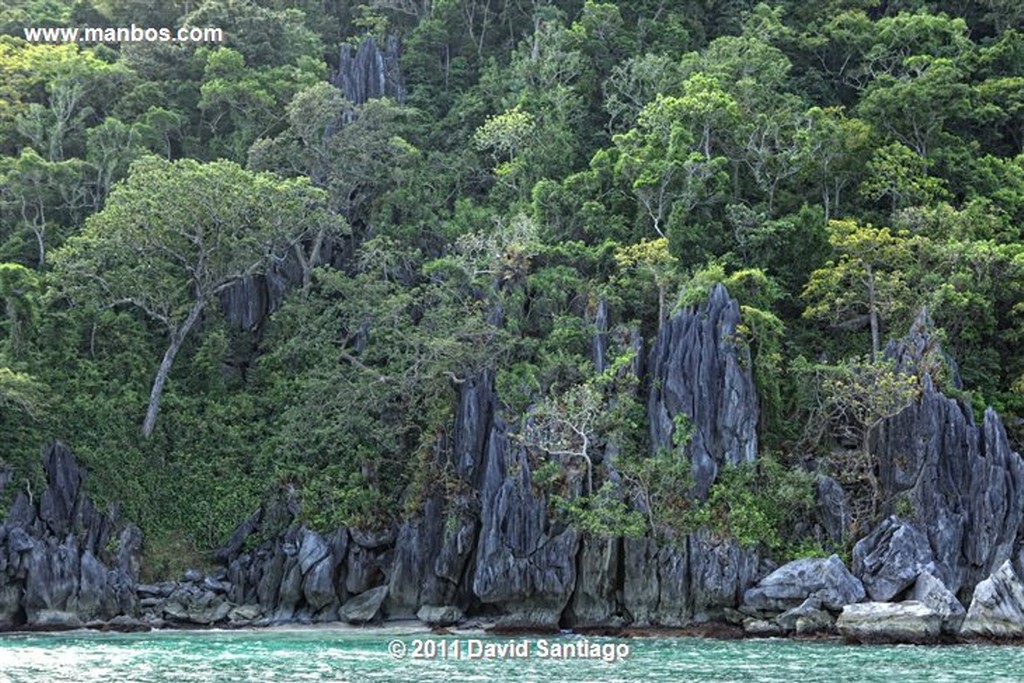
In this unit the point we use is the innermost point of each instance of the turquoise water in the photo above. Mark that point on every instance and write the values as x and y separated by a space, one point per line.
319 655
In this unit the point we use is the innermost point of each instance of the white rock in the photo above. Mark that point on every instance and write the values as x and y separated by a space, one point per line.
997 608
889 622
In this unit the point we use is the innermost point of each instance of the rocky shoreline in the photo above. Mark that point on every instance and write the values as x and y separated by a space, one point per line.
948 568
88 578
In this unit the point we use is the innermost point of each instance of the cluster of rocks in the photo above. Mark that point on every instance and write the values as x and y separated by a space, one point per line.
196 600
494 551
63 563
891 596
297 576
801 598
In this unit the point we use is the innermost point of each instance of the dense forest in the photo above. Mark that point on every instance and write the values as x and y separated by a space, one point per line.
224 278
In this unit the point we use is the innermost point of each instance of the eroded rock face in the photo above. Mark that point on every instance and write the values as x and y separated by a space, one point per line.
697 370
962 480
248 302
493 549
832 508
595 599
370 71
62 561
889 622
294 573
496 549
997 609
526 564
720 572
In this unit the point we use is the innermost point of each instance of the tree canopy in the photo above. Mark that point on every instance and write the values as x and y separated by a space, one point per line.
299 279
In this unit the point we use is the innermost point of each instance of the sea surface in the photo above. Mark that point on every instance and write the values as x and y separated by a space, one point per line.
347 655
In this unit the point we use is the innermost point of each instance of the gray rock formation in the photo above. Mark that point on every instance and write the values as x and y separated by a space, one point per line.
920 353
248 303
720 573
694 579
194 605
495 548
806 619
599 348
889 622
697 370
930 592
370 71
832 508
526 565
997 609
439 615
962 480
62 562
365 607
890 558
595 598
825 580
294 573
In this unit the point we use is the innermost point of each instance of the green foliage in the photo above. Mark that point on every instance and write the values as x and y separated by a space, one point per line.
601 514
19 291
20 393
760 504
546 158
663 482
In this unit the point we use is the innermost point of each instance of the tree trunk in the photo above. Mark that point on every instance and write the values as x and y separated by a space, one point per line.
177 337
40 247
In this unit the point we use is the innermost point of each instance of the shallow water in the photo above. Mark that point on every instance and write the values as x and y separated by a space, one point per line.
327 655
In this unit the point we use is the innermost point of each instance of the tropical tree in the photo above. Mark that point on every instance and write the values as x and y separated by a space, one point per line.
867 281
651 258
854 401
175 235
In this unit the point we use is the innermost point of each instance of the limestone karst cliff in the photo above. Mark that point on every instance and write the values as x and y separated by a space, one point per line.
490 546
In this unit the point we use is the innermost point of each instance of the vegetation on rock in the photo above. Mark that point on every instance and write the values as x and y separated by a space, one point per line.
321 276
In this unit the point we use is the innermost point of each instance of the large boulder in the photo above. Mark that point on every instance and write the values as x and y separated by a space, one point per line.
997 609
890 558
440 615
889 622
806 619
364 607
931 592
826 580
